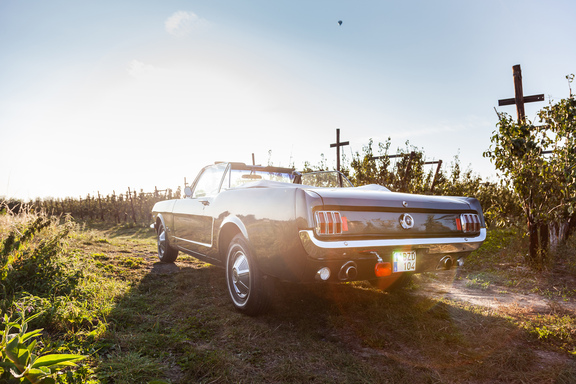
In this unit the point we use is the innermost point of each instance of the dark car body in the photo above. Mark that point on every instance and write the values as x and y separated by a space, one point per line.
261 222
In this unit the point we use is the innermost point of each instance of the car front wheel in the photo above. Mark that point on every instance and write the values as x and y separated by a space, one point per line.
244 280
166 253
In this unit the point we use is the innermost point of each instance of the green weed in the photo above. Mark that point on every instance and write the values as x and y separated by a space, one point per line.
19 353
130 367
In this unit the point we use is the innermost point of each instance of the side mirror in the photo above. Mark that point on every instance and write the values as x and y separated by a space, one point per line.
188 191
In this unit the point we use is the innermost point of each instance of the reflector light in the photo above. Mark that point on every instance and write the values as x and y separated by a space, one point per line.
328 223
323 274
383 269
344 224
468 222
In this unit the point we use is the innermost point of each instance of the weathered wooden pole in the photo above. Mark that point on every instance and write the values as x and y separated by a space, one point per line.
338 144
518 93
439 162
407 170
100 205
132 205
519 98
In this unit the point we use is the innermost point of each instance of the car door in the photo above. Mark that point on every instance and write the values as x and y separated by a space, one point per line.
193 218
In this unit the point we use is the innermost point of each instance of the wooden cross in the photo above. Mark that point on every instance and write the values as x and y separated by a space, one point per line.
519 98
439 162
338 144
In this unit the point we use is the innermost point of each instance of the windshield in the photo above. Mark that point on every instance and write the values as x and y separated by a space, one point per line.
238 177
327 179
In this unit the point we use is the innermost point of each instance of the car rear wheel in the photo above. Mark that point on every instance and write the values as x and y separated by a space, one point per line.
244 280
166 253
392 283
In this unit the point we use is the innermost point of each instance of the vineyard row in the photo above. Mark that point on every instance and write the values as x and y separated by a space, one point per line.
131 206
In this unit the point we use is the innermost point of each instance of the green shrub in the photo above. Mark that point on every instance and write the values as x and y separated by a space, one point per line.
41 278
19 358
29 260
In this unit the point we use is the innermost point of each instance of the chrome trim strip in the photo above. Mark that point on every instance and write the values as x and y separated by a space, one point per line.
194 242
393 242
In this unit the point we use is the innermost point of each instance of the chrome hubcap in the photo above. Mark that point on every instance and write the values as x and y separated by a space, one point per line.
161 242
241 275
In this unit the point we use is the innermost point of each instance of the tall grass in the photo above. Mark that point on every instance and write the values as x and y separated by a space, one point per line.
58 288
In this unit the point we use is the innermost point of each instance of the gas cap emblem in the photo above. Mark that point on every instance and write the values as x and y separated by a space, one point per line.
406 221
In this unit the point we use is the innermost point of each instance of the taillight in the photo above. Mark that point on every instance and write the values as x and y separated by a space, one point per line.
468 222
328 223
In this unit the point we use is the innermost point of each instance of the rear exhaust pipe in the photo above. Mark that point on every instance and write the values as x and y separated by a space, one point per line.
445 263
349 271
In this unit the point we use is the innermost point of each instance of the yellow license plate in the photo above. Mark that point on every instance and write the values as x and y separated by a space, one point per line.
404 261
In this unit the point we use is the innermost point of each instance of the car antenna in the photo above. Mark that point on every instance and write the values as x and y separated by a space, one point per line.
253 170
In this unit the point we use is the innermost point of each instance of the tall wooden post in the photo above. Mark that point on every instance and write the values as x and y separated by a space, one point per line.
518 93
519 98
100 205
338 144
439 162
132 205
407 170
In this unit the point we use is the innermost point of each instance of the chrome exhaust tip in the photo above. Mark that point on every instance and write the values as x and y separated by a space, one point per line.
445 263
349 271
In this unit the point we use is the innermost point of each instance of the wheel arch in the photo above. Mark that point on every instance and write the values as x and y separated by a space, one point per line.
159 221
230 227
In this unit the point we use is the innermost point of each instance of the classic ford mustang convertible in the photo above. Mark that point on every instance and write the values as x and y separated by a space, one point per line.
261 223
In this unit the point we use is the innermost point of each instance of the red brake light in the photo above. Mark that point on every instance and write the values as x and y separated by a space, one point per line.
328 223
468 222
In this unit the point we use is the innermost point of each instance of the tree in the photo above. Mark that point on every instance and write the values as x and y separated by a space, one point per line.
560 120
516 151
543 180
366 170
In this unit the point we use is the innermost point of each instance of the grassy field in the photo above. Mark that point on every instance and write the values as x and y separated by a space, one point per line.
140 321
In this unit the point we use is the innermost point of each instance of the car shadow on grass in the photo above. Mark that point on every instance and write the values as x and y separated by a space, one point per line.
178 325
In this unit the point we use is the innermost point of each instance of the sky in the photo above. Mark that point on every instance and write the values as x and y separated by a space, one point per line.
102 96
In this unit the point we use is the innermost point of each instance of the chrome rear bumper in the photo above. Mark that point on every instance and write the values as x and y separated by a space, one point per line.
321 250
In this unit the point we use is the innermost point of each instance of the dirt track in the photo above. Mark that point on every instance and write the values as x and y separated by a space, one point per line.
495 297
